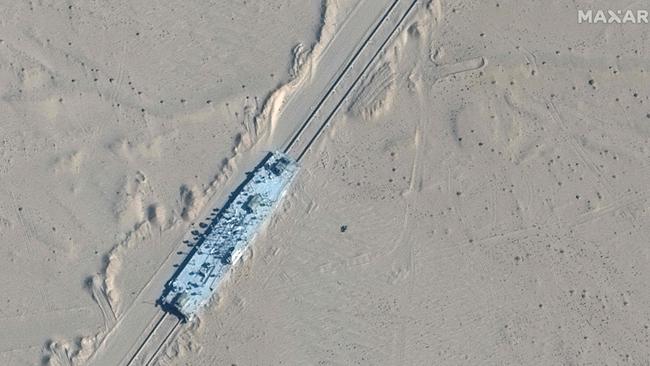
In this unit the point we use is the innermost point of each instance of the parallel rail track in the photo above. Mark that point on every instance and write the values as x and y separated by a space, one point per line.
143 358
163 330
296 138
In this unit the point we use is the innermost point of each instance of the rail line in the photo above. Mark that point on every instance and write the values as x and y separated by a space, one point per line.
169 335
338 79
296 137
357 79
166 319
140 357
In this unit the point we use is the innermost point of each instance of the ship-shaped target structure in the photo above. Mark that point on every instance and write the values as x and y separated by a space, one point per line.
228 235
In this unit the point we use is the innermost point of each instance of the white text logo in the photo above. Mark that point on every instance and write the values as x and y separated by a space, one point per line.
613 16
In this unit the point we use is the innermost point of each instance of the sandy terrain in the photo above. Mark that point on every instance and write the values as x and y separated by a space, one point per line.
483 200
118 118
481 197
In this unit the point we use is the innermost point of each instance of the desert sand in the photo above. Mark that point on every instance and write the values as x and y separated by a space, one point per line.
118 119
480 198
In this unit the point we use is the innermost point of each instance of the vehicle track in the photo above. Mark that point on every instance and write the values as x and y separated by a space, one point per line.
141 356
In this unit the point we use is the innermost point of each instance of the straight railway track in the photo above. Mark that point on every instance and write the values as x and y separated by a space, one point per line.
164 329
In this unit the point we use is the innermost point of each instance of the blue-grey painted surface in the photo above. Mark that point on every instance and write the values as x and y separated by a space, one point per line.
228 236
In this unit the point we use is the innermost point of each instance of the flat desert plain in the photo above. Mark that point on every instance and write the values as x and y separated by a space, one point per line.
480 197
